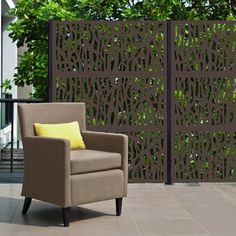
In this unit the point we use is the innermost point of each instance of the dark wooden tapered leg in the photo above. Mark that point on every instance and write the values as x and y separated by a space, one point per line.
118 206
26 205
66 216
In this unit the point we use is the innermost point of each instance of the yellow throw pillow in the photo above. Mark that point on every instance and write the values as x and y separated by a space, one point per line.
70 131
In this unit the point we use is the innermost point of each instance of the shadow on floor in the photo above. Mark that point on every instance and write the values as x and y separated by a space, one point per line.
43 214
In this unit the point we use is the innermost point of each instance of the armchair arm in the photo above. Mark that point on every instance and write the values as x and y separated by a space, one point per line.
47 170
110 142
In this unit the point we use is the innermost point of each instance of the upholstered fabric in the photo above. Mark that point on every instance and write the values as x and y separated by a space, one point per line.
110 142
70 131
53 172
84 161
51 113
96 186
47 170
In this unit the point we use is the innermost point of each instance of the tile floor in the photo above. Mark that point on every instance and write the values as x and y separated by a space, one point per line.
151 209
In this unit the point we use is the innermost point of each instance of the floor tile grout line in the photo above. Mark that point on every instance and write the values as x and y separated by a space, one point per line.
221 197
190 214
13 215
132 218
181 206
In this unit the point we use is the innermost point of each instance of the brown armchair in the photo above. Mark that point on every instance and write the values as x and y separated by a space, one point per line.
53 173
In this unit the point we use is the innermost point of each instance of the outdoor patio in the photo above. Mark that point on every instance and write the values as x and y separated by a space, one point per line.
167 81
204 209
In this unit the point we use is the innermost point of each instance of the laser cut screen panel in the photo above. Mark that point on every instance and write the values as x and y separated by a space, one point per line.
119 70
203 101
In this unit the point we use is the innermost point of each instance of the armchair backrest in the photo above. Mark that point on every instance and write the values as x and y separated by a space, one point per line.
50 113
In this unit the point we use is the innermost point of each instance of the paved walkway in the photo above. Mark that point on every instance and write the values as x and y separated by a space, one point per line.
150 210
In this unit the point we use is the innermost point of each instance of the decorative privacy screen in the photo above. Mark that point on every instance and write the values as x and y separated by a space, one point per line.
204 100
120 70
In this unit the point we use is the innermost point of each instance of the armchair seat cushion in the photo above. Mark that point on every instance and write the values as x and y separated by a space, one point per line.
85 161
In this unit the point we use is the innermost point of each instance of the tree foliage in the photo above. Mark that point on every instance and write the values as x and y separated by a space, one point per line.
31 27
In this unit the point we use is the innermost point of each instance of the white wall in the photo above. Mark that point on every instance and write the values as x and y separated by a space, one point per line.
9 51
8 61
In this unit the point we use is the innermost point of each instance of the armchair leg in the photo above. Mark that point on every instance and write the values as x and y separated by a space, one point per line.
66 216
118 206
26 206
